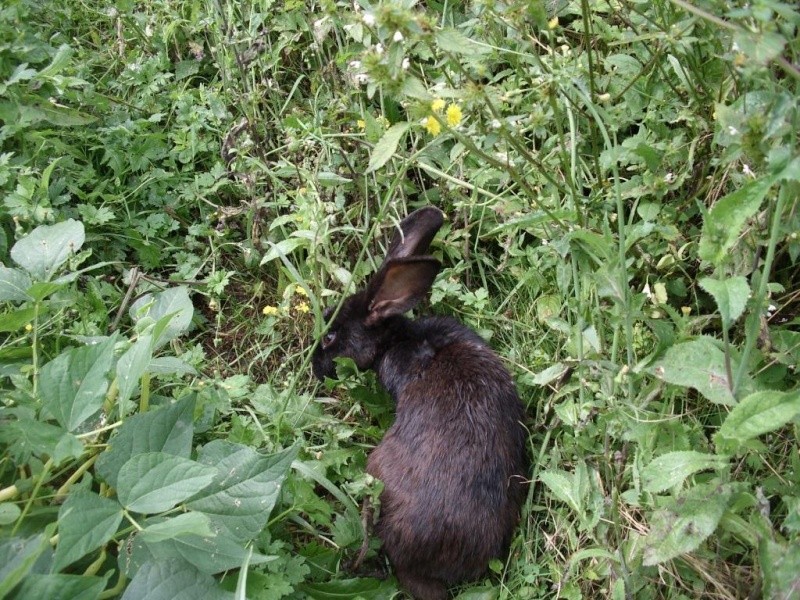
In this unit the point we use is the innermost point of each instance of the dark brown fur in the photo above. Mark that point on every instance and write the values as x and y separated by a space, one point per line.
453 463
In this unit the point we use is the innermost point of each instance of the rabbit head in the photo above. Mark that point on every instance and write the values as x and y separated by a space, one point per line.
365 324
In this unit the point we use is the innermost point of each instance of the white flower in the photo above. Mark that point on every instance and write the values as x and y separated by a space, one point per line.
669 177
406 63
398 36
355 64
747 170
732 130
496 124
356 7
369 19
379 48
362 78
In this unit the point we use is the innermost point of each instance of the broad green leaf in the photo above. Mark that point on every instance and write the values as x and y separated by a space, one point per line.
669 470
170 365
48 247
86 522
758 414
154 482
730 294
561 485
132 365
17 319
780 568
171 310
14 284
173 579
362 587
9 512
73 385
210 555
760 47
58 63
245 489
698 364
283 248
687 520
386 146
27 437
726 219
186 523
167 429
452 40
17 557
60 587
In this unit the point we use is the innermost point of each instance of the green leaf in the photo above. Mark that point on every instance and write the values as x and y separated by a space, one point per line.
452 40
758 414
245 489
759 47
26 437
14 285
187 523
687 520
154 482
210 555
73 385
173 579
167 429
86 522
131 366
58 63
283 248
780 568
698 364
16 319
670 469
48 247
9 512
171 310
60 587
362 587
560 483
17 557
386 146
730 294
724 222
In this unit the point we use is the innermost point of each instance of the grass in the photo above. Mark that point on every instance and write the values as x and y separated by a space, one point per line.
620 183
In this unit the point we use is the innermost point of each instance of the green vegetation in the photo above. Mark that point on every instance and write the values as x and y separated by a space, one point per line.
184 185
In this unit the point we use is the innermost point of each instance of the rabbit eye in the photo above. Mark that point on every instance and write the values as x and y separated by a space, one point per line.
328 339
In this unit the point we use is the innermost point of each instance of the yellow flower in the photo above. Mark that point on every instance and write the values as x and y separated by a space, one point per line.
686 310
362 125
383 121
433 126
298 289
270 311
453 115
437 105
552 23
28 327
302 307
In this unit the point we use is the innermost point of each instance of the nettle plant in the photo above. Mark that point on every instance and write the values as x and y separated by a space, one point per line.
98 489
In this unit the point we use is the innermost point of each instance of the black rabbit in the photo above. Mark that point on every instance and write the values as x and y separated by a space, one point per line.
453 464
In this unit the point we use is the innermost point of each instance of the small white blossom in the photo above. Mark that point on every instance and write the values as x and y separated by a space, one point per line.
406 63
398 36
355 64
747 170
356 7
646 291
496 124
369 19
379 48
771 309
732 130
735 47
669 177
362 78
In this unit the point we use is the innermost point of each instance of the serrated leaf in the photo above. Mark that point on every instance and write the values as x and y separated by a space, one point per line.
683 524
730 294
14 284
670 469
550 374
168 429
26 437
48 247
193 522
60 587
759 413
86 522
386 146
560 484
175 579
698 364
154 482
245 489
58 63
283 248
452 40
726 219
73 385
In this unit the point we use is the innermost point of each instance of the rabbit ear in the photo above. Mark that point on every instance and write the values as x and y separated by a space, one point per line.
416 233
399 286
